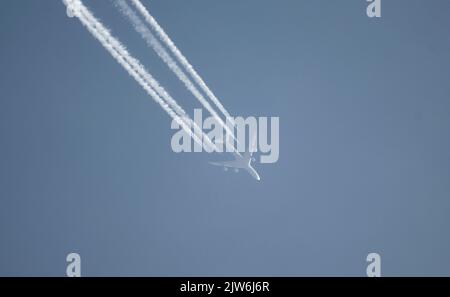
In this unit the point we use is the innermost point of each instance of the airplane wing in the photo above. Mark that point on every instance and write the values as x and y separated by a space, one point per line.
225 164
253 172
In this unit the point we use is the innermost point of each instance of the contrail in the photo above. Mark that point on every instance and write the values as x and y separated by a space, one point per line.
131 65
179 56
153 42
147 76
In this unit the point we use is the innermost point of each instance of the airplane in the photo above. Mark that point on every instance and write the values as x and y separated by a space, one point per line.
241 161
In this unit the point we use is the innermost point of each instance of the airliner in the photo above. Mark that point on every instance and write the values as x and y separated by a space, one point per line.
241 161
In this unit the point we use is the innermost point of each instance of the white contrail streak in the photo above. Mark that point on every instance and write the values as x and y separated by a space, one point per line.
131 65
153 42
179 56
147 76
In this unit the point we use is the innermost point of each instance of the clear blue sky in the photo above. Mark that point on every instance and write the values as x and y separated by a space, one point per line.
364 107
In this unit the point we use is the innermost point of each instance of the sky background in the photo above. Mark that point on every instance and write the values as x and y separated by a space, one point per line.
86 164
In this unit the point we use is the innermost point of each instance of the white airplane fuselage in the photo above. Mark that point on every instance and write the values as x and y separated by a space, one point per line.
240 162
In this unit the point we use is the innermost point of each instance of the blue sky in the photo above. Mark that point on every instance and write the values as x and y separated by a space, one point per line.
86 164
